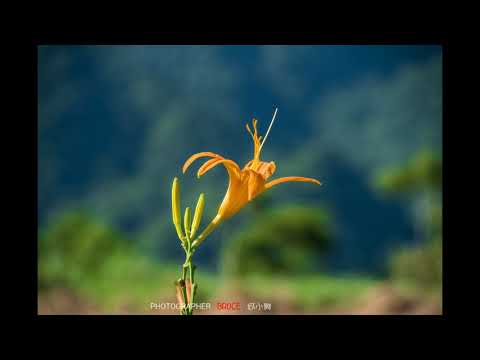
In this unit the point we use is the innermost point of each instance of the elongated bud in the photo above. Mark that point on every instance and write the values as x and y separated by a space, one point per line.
176 215
197 218
187 220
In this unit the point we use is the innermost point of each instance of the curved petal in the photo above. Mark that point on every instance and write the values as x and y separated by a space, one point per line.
205 167
291 178
230 165
194 157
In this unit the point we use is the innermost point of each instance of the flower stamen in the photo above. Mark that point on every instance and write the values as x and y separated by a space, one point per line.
268 131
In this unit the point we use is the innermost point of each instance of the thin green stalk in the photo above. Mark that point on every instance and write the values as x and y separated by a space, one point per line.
194 285
188 273
184 289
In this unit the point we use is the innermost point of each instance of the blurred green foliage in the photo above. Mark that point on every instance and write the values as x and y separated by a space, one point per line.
75 248
79 253
82 254
421 265
307 291
284 240
422 173
421 177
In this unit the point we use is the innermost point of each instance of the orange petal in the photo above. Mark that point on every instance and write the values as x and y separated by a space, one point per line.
255 184
206 166
194 157
210 164
291 178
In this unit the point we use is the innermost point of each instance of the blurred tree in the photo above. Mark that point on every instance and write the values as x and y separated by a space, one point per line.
284 240
420 178
422 173
74 248
421 265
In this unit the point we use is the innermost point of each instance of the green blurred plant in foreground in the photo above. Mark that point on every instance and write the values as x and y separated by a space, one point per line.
289 240
421 178
74 249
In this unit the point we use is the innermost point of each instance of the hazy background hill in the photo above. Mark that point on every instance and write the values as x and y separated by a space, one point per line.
116 124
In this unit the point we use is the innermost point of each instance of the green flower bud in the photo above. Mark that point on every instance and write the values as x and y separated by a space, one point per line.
187 221
176 216
197 218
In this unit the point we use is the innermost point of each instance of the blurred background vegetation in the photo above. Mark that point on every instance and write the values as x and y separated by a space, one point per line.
116 123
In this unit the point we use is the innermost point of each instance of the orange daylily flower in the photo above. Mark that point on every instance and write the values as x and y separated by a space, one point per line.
244 184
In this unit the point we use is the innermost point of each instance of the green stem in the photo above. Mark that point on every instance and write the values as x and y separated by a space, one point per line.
194 285
188 269
184 289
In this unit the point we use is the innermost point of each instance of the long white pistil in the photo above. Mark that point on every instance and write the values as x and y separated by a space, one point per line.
269 127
